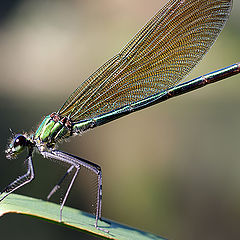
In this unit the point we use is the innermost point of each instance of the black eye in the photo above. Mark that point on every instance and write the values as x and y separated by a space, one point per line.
19 141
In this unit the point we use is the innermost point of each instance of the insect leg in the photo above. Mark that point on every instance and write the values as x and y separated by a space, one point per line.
68 190
57 186
77 162
20 181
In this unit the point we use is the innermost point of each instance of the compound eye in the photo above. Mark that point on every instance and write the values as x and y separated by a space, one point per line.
19 142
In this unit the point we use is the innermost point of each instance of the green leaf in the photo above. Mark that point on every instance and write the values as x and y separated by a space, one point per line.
71 218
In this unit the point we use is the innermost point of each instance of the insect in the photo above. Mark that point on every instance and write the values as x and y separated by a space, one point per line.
145 72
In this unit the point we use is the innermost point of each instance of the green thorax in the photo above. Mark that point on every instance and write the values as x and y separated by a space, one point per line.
53 129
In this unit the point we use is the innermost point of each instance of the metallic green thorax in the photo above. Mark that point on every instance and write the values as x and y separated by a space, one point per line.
53 129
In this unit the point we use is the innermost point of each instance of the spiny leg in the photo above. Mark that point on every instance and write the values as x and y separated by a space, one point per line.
99 197
19 182
57 186
68 190
77 162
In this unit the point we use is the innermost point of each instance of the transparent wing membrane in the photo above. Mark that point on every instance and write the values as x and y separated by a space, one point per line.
158 57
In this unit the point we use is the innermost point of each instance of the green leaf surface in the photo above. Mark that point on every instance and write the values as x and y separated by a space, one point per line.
73 218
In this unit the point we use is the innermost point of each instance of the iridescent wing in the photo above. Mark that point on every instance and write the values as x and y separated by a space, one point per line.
158 57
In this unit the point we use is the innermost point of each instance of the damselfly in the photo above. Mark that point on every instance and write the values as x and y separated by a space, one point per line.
145 72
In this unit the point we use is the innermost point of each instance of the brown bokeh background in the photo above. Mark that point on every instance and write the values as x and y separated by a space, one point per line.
172 169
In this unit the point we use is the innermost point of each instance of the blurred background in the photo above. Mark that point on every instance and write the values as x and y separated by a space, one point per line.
171 169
